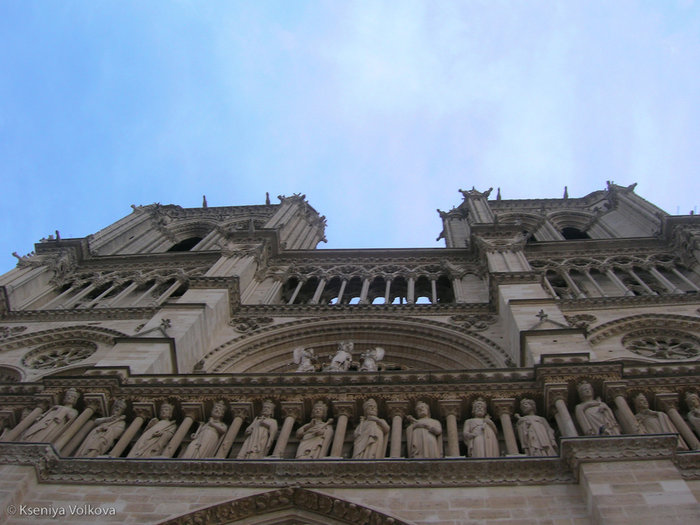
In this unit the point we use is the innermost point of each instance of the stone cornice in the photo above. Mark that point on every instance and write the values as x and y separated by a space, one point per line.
627 301
80 314
278 473
377 256
297 310
599 449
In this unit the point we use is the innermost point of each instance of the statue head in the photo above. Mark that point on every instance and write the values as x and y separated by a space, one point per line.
422 409
346 346
585 391
479 408
641 402
692 400
319 410
268 408
71 396
166 410
370 407
527 406
118 407
218 410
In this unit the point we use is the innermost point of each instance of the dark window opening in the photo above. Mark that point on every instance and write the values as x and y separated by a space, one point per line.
571 234
186 245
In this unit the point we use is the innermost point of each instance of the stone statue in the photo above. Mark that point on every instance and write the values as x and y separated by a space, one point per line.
305 358
423 435
156 436
370 358
594 416
653 422
315 436
342 359
209 435
536 435
260 434
107 430
54 421
693 402
480 433
371 434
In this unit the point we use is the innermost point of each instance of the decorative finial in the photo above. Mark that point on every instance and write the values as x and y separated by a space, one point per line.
267 198
541 315
204 201
566 192
498 194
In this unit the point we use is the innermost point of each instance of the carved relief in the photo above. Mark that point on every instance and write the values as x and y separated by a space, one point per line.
662 344
9 331
58 355
247 325
581 320
478 323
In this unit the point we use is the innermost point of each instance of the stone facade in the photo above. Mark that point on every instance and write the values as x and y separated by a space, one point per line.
227 371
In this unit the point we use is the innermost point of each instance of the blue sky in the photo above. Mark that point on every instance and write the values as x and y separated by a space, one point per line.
378 111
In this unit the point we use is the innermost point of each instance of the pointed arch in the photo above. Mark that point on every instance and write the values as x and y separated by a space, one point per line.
409 343
287 506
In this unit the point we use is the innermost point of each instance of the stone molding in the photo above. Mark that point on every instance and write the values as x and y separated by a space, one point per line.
329 508
643 321
601 449
277 473
64 333
476 345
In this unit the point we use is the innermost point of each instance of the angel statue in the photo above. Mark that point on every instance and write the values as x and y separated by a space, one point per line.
305 358
370 359
342 359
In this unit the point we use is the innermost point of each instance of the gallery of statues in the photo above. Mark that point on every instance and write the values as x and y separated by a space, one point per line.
217 365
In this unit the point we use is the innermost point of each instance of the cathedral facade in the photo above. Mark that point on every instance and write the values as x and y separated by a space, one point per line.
211 365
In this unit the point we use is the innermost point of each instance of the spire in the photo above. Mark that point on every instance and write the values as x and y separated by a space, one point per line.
204 201
267 198
498 194
566 192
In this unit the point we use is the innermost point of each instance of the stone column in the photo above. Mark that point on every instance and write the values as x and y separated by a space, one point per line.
342 290
296 292
397 410
672 288
556 395
685 279
291 411
433 291
343 411
618 282
572 284
143 411
411 290
319 291
76 425
387 291
75 442
451 409
192 411
616 391
669 404
594 282
241 412
504 410
23 425
641 282
364 290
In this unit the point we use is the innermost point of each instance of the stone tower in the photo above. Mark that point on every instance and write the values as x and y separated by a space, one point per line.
219 368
